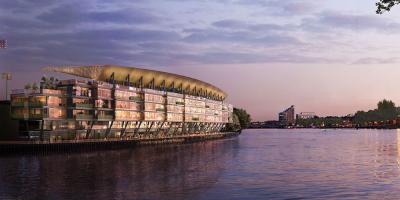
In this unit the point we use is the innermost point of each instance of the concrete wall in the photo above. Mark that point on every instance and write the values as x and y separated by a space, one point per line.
8 127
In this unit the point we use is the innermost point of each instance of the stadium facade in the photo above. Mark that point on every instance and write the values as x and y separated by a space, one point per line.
118 102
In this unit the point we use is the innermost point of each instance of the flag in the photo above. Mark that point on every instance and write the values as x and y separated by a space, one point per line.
3 44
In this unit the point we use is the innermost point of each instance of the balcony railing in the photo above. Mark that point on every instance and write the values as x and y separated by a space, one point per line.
83 116
135 98
19 115
36 104
83 105
18 103
180 103
36 116
160 110
105 117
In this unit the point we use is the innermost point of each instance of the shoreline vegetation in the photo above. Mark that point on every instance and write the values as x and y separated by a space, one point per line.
385 116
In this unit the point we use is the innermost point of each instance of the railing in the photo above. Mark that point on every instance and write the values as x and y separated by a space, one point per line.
135 98
36 116
160 110
19 116
18 91
180 103
105 117
83 105
52 91
83 116
36 104
17 103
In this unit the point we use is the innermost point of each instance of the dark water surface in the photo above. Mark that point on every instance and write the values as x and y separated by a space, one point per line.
259 164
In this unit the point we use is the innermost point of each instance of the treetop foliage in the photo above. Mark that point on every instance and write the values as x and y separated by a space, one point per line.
385 5
243 116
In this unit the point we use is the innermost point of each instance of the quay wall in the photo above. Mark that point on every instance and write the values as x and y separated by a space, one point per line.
8 126
40 147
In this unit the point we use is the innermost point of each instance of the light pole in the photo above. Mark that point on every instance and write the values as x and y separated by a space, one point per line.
6 76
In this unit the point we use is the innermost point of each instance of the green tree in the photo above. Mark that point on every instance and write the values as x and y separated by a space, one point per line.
243 117
44 79
385 5
35 87
386 110
27 86
235 126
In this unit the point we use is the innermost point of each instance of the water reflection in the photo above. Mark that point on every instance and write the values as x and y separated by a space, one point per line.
259 164
164 172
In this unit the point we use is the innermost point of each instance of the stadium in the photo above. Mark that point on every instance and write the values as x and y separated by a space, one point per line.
118 102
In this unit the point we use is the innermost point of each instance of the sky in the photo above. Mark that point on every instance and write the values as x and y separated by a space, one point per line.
331 57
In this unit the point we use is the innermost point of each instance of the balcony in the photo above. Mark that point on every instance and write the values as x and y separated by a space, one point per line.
83 105
180 103
19 115
83 116
160 109
18 103
36 116
135 98
105 117
36 104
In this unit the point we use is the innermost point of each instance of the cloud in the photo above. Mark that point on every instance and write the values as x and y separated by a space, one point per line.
256 27
249 58
285 8
371 60
243 37
329 20
99 31
230 24
66 14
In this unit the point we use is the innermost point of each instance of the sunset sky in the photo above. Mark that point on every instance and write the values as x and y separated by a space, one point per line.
332 57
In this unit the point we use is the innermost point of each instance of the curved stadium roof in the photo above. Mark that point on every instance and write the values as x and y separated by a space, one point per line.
147 78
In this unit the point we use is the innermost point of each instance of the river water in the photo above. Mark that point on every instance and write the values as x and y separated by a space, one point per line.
259 164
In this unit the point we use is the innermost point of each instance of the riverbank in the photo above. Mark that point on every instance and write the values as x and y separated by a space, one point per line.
369 127
12 147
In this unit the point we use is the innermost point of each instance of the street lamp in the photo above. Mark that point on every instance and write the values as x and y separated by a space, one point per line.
6 76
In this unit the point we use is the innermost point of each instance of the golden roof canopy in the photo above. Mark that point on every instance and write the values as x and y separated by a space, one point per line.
147 78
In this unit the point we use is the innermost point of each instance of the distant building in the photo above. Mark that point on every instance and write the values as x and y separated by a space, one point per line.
286 118
306 115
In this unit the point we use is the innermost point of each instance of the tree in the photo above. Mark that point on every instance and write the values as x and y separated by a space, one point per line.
27 86
243 116
385 5
35 87
386 105
386 111
235 126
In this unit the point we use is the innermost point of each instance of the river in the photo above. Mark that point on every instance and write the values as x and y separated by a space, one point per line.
259 164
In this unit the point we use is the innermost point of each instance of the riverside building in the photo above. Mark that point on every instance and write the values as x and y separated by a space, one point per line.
286 117
306 115
119 102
